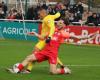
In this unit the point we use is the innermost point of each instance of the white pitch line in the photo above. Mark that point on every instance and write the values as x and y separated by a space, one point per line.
4 67
73 65
85 65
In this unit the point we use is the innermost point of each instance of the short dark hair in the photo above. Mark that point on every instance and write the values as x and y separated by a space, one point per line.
40 9
66 21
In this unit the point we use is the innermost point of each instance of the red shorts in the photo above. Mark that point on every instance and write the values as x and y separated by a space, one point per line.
49 55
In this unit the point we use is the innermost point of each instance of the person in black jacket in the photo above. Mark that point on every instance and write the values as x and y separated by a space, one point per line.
2 15
93 19
4 7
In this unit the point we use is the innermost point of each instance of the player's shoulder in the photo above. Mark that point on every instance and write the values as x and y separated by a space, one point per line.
48 18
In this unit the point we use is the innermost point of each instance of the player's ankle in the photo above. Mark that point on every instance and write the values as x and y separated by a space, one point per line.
28 70
65 71
62 66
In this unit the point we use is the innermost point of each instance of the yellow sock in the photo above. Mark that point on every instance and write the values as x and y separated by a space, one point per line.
30 66
59 62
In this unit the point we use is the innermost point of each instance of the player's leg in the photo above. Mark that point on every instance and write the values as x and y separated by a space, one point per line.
55 70
60 62
28 59
39 57
39 46
24 63
53 65
30 64
20 66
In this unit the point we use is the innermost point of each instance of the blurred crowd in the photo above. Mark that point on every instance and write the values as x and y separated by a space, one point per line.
71 13
13 13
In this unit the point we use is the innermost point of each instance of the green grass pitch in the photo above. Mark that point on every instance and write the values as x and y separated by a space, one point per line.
84 61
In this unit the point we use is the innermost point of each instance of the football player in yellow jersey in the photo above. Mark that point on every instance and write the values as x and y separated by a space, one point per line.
48 27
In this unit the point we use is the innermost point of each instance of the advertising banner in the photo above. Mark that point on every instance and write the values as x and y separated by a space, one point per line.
84 31
17 30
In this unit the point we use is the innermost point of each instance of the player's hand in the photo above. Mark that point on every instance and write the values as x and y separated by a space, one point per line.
31 33
48 40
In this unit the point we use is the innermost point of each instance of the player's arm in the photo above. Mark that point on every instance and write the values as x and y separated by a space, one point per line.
37 35
92 35
57 15
50 23
73 36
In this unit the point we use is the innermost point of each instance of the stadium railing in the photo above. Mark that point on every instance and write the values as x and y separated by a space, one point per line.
18 20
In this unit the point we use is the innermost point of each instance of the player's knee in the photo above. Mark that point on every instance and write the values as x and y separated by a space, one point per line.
29 58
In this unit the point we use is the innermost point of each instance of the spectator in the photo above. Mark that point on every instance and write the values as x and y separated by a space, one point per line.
66 18
2 15
38 6
73 8
30 13
93 19
85 16
77 17
12 14
51 10
80 8
58 6
71 17
5 8
98 16
36 11
89 18
62 10
44 6
19 14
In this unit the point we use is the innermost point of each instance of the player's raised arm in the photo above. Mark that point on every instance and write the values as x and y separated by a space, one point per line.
51 24
57 15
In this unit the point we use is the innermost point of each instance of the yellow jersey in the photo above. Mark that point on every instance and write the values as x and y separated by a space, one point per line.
48 25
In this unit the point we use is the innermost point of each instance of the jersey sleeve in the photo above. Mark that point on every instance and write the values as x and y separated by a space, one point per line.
57 15
50 23
65 34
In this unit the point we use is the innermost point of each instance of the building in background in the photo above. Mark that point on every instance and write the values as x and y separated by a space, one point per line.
29 1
